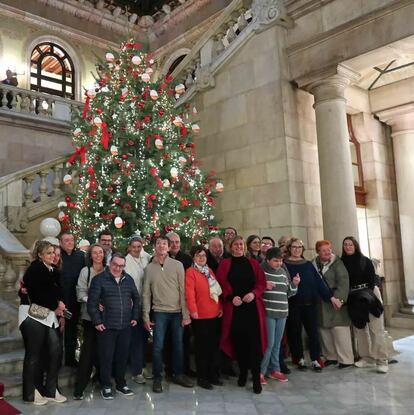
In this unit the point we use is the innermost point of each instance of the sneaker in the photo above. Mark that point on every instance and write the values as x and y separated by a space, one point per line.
205 384
58 398
78 396
125 391
362 363
344 365
183 380
157 386
278 376
302 364
382 368
285 370
262 379
106 393
330 362
39 399
316 366
140 379
147 374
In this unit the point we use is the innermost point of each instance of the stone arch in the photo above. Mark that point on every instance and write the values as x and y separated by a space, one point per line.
172 58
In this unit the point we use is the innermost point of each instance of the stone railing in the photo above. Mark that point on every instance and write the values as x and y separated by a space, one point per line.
240 20
25 196
23 102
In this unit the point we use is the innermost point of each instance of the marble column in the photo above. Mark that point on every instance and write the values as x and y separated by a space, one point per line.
401 120
335 167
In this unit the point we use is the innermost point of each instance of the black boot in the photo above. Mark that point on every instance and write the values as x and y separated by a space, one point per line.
242 377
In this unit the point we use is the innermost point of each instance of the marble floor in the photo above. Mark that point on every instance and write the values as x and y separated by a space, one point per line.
332 392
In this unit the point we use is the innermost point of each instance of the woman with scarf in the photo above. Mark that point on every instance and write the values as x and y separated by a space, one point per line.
202 293
365 307
334 323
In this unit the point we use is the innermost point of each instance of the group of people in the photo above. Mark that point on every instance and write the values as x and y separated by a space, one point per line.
244 301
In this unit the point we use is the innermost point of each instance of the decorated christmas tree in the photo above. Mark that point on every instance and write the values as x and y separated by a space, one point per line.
135 154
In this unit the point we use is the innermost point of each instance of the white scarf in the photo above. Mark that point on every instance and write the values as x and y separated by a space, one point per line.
214 286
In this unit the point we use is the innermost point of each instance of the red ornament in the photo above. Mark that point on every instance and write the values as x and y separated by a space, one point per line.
147 118
97 158
99 111
93 195
124 156
196 202
67 199
161 112
117 201
110 189
184 203
152 196
141 104
131 143
153 171
93 184
185 219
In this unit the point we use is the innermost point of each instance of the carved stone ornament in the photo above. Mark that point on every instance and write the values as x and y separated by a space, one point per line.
17 220
268 12
204 78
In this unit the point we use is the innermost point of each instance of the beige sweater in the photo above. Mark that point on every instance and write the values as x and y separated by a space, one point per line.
165 286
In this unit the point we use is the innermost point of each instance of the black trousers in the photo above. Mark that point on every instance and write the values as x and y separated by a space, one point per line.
88 357
303 316
113 346
245 338
207 337
38 337
71 334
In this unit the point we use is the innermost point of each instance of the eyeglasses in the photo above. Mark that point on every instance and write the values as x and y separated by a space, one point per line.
118 266
296 247
266 243
201 255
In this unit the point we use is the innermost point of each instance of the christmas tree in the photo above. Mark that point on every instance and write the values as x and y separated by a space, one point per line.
135 154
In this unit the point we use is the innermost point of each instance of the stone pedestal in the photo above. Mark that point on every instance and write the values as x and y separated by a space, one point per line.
401 119
335 167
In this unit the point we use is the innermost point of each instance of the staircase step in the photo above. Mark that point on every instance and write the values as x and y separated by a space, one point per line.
402 321
10 343
11 362
13 383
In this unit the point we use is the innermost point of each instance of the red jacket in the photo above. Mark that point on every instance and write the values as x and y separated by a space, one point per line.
259 288
197 294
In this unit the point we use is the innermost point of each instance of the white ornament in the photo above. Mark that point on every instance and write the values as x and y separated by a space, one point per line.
145 77
219 187
124 92
114 150
100 204
97 121
50 227
97 214
180 88
67 179
129 190
77 132
91 93
62 204
177 121
182 160
61 216
149 71
110 57
195 128
136 60
118 222
153 94
159 144
166 183
151 61
174 172
105 89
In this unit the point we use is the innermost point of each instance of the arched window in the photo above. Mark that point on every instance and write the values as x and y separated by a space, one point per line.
356 165
52 70
175 64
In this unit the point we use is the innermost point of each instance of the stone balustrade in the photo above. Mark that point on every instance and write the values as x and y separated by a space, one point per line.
36 104
233 21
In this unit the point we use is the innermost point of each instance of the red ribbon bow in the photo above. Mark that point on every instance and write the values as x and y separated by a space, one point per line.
81 152
105 136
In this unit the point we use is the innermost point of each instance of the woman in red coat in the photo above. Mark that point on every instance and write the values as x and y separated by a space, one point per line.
243 334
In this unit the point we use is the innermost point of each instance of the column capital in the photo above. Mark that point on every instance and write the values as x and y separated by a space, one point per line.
333 87
400 118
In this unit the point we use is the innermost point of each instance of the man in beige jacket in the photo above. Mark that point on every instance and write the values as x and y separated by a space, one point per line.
164 294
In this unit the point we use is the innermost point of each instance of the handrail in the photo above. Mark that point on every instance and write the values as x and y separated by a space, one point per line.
5 180
224 16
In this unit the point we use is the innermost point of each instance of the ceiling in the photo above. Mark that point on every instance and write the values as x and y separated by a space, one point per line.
140 7
386 65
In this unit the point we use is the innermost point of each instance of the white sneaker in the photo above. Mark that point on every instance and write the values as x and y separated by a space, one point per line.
39 399
147 374
58 398
382 368
140 379
362 364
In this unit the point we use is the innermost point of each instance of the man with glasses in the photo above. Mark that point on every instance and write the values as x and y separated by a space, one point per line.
116 292
266 243
164 294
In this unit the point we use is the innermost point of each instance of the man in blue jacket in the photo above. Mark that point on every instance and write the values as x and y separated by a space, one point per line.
115 292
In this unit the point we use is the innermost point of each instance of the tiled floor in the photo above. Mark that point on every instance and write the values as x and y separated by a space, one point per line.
332 392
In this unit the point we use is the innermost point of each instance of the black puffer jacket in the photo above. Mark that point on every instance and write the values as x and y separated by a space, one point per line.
120 301
360 304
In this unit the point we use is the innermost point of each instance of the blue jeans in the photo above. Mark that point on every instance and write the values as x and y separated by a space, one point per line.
275 329
138 348
163 321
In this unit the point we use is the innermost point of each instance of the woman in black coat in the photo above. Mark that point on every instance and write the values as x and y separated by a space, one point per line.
365 307
41 281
